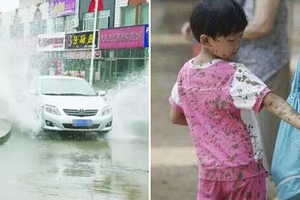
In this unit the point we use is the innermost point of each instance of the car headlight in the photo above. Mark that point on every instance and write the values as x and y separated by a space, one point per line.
106 110
52 109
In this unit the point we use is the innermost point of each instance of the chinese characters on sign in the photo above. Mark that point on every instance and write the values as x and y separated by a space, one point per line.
117 38
124 37
81 40
51 42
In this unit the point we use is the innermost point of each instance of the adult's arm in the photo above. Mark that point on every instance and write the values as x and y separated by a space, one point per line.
264 19
282 109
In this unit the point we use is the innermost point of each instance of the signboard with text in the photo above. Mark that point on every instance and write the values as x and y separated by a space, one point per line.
60 8
146 39
51 42
81 40
124 37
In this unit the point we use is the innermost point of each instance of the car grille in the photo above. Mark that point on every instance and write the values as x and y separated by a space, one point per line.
70 126
80 112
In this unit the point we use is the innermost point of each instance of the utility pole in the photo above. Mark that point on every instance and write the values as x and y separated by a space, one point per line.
93 46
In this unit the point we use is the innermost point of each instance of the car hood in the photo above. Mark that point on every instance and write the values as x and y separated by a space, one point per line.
74 102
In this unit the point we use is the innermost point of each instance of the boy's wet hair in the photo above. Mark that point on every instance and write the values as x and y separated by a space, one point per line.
216 18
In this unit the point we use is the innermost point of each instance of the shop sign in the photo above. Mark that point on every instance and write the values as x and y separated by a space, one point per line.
124 37
81 40
60 8
146 39
51 42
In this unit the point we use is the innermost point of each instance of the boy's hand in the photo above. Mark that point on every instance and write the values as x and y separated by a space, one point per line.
177 117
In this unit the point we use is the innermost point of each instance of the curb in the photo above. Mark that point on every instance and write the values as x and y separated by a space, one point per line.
5 131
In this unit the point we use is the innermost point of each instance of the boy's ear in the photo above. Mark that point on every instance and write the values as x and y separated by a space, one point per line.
204 39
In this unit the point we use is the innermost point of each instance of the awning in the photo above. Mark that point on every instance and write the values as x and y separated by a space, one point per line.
93 5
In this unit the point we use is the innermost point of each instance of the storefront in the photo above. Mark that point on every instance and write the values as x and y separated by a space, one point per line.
50 53
119 53
124 52
66 53
78 53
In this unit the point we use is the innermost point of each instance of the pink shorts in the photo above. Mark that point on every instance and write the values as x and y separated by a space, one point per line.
246 189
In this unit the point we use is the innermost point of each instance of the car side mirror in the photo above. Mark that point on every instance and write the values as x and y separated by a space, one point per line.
101 93
32 92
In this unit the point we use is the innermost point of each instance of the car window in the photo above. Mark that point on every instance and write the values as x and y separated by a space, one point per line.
66 87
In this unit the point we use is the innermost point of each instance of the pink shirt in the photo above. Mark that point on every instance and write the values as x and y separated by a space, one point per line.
219 100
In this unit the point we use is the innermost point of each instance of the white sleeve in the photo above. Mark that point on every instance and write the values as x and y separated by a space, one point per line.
246 88
175 95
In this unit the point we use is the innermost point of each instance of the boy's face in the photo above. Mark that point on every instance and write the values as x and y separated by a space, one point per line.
226 47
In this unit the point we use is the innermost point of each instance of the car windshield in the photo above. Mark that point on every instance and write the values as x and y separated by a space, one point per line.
67 87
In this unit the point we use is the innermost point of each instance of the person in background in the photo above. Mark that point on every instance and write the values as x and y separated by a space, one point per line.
265 51
37 21
217 99
17 18
37 14
16 27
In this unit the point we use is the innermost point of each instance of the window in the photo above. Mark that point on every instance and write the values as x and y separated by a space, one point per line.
144 14
69 20
128 15
137 53
123 53
58 24
105 53
102 20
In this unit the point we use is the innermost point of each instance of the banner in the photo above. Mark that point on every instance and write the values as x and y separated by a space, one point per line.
51 42
60 8
125 37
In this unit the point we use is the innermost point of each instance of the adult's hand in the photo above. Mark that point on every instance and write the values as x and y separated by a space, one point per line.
186 31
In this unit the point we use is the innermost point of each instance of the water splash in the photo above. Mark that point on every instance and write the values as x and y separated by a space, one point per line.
130 103
16 105
129 99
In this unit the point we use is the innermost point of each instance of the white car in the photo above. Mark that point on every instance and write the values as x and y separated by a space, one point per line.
71 104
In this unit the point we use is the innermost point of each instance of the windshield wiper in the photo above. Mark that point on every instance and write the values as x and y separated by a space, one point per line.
68 94
73 94
52 94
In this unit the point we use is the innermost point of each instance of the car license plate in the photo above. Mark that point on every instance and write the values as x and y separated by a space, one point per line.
82 122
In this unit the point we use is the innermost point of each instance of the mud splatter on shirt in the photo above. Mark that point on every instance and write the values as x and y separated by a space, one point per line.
219 100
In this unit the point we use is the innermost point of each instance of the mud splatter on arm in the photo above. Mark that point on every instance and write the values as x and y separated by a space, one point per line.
282 109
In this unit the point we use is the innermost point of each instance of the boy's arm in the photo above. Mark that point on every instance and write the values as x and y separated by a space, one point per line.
177 117
282 109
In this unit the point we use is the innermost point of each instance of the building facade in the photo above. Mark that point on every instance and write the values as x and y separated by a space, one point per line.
59 34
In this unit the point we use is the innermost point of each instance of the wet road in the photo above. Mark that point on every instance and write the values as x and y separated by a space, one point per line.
59 166
56 166
77 166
